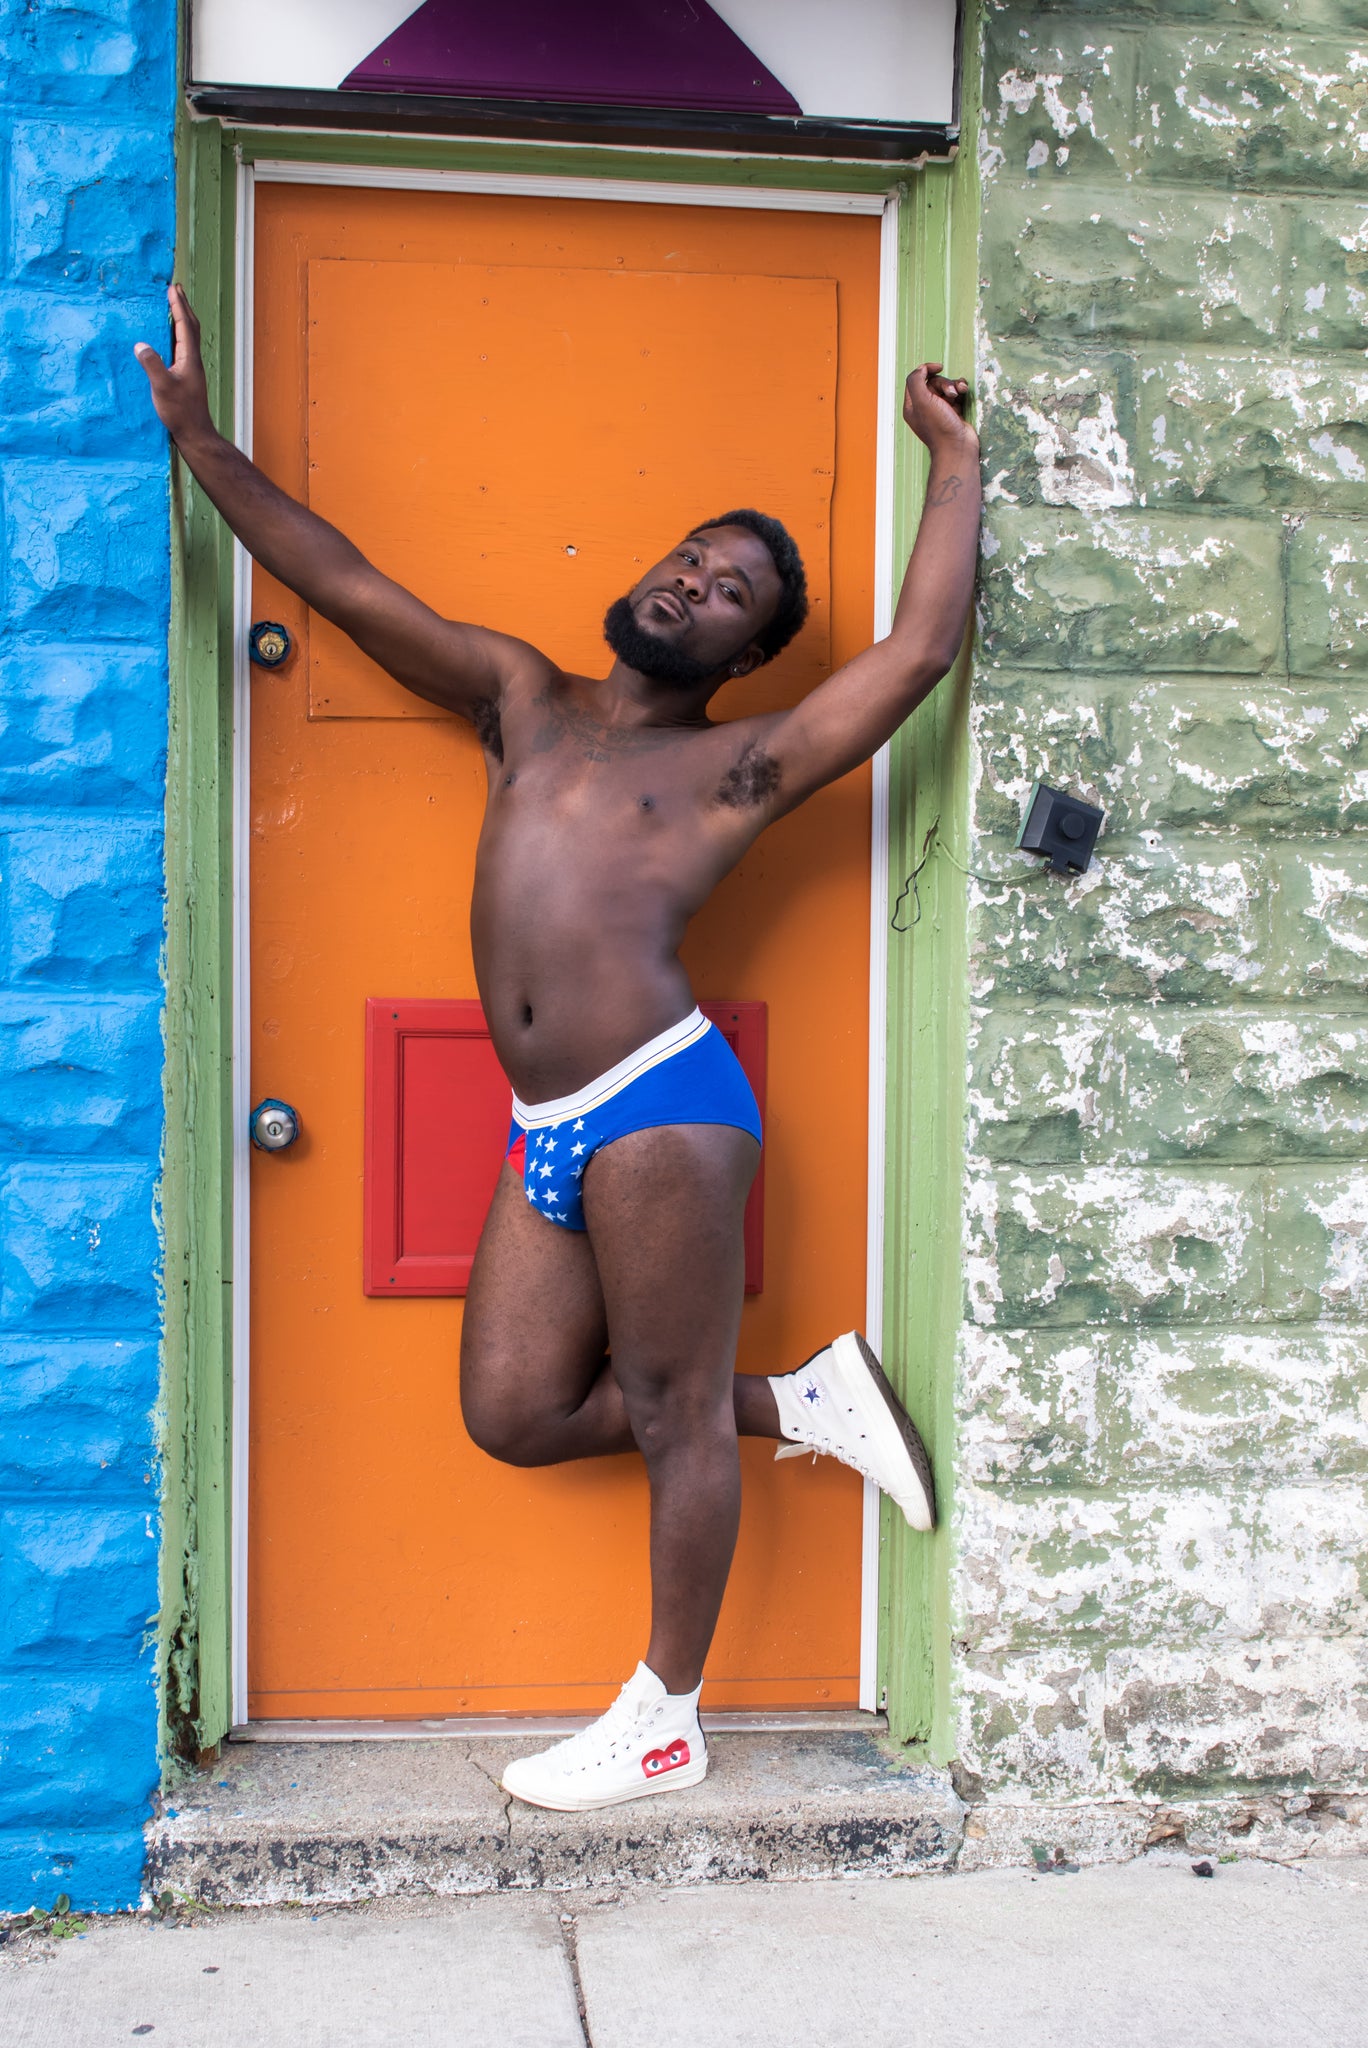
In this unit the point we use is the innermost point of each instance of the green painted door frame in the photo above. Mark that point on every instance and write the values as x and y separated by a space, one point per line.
926 1021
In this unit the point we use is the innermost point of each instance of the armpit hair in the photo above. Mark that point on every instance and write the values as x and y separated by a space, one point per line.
484 717
753 778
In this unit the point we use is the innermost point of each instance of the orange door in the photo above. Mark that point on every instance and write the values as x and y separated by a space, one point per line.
511 405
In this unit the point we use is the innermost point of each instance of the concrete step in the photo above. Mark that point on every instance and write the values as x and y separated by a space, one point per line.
328 1822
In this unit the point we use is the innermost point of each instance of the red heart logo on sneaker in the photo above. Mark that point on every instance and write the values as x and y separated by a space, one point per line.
657 1760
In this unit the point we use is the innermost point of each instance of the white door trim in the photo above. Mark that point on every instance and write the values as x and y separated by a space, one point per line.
526 185
533 185
243 308
884 477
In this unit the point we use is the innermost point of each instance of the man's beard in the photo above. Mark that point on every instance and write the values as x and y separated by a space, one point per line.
649 656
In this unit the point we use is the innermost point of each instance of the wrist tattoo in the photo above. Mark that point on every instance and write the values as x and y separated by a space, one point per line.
945 492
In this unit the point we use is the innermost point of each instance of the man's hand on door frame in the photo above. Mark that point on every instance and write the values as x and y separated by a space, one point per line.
180 392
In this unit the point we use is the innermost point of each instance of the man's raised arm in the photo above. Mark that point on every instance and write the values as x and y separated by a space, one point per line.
847 718
454 665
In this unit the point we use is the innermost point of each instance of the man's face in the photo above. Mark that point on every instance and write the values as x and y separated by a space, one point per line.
699 610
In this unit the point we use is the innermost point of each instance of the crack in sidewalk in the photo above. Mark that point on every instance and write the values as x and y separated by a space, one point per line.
569 1934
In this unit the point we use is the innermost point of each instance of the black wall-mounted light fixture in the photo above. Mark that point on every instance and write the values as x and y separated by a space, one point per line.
1061 828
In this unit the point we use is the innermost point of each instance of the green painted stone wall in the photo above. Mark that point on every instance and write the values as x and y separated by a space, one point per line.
1161 1578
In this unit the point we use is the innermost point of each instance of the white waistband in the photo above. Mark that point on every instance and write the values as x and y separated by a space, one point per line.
535 1116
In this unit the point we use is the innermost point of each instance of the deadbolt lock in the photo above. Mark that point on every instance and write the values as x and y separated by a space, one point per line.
269 644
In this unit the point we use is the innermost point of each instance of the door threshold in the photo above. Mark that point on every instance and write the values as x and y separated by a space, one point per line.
480 1727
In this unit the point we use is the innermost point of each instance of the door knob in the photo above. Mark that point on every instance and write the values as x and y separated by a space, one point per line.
274 1125
269 644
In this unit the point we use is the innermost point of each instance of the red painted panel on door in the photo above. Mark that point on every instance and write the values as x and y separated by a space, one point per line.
436 1128
437 1118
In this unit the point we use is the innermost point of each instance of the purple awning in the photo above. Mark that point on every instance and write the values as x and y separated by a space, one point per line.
636 53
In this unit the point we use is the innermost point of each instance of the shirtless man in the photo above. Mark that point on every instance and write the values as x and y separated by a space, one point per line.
605 1301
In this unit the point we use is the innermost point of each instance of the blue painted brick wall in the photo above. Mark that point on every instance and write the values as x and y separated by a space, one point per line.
86 220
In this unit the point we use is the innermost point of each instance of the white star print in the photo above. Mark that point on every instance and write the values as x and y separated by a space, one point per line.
575 1151
580 1125
545 1172
552 1195
551 1144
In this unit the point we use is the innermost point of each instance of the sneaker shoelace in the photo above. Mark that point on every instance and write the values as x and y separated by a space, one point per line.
611 1729
828 1447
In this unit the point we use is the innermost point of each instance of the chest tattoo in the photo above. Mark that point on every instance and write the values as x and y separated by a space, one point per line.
753 778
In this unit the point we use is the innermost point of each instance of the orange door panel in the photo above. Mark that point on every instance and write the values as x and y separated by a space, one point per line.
511 405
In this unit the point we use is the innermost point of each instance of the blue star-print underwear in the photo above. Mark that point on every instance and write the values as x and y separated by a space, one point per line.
689 1075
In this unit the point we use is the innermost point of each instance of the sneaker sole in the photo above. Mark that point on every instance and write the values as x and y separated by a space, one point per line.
925 1519
677 1781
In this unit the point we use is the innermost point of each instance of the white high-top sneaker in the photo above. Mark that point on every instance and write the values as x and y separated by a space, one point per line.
841 1404
648 1741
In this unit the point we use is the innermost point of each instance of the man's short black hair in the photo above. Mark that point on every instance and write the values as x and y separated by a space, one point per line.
792 608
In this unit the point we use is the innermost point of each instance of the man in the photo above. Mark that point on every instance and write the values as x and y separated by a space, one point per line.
605 1301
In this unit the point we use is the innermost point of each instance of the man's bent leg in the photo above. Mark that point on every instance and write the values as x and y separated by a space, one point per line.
535 1389
664 1208
536 1385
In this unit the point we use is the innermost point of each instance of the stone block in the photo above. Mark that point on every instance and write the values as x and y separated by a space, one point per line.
99 1869
1057 425
1219 1566
1037 1093
1164 757
1032 1718
76 1416
83 902
1327 598
1130 264
1317 1255
78 1585
1215 1718
1143 1086
114 54
81 1075
78 1750
1238 1086
1327 275
69 379
1111 1244
1308 14
1321 14
79 1248
91 205
1083 1409
1260 757
1246 430
1131 591
1320 919
1182 920
1059 97
83 726
88 550
1265 110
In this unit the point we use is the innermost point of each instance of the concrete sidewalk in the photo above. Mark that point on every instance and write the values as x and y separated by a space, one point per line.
1141 1955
